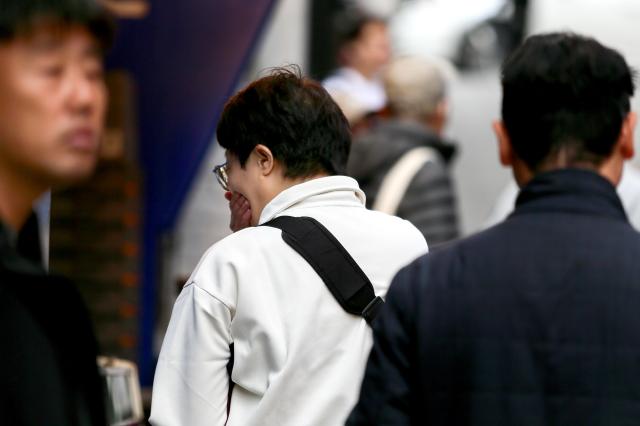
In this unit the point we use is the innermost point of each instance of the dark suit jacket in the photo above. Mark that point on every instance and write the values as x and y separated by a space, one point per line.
48 370
535 321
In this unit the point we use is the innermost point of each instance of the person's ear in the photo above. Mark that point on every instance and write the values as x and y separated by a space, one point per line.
505 150
442 113
442 110
266 161
625 140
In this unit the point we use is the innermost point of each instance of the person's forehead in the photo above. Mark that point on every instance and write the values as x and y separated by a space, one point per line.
49 37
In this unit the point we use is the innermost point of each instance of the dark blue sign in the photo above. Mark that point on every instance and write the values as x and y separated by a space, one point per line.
185 57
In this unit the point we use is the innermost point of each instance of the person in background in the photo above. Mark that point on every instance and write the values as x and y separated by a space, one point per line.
298 356
52 106
402 162
363 51
534 321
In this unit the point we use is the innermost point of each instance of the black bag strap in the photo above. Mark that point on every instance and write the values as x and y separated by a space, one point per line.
340 273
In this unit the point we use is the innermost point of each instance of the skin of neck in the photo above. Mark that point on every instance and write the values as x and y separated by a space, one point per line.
435 122
610 168
365 69
367 72
272 187
269 179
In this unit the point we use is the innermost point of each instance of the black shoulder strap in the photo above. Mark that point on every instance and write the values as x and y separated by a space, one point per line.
341 274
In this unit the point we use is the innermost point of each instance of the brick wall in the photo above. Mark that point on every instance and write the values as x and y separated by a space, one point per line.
95 230
95 240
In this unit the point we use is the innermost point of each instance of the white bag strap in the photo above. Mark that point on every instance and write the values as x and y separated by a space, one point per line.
397 180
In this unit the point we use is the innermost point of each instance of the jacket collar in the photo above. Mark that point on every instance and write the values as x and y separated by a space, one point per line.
17 252
8 237
573 191
338 190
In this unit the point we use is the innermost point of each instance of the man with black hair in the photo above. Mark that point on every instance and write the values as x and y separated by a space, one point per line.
363 49
298 357
52 106
534 321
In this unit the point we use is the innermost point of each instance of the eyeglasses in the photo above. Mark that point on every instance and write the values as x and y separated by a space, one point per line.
221 174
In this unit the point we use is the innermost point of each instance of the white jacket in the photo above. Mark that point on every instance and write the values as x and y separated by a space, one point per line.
367 93
299 358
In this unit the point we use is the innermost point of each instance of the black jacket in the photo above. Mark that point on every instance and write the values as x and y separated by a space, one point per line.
48 371
429 202
535 321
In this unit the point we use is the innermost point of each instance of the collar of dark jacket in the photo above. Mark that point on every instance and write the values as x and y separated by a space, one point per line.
570 190
21 252
8 236
419 135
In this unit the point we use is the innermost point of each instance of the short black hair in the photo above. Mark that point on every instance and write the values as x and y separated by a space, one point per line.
20 17
563 91
294 117
349 25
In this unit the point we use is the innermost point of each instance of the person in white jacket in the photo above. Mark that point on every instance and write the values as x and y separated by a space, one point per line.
298 357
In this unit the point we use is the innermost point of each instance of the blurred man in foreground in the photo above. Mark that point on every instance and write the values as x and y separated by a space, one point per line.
52 105
534 321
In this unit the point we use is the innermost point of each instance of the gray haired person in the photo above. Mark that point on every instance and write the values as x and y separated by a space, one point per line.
402 163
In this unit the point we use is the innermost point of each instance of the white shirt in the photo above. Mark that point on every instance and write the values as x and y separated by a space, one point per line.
628 190
299 358
367 93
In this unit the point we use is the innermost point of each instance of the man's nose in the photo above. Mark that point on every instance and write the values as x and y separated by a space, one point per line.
84 92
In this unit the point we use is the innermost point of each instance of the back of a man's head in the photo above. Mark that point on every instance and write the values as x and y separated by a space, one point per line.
294 117
415 87
565 94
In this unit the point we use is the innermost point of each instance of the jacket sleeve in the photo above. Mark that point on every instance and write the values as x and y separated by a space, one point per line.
191 381
430 204
386 393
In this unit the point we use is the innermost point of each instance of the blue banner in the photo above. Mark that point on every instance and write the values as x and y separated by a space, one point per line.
185 57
